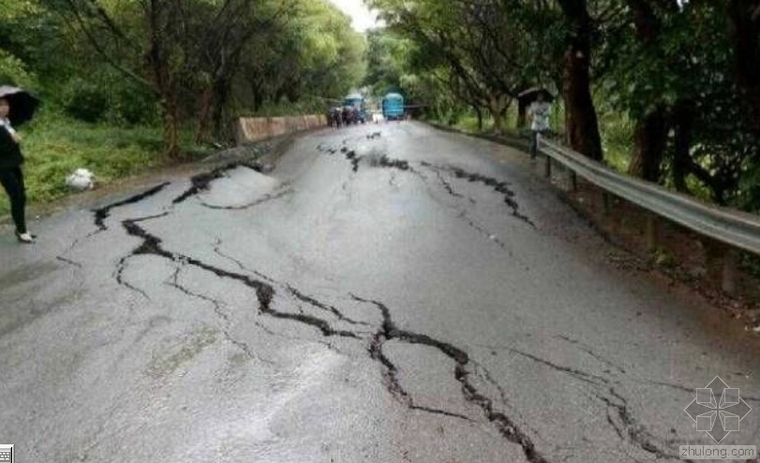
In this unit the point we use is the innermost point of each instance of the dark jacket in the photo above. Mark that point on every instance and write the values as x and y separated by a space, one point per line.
10 152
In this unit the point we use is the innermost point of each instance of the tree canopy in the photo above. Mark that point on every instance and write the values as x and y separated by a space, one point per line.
179 62
687 73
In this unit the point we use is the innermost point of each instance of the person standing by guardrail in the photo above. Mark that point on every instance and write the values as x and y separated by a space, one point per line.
539 116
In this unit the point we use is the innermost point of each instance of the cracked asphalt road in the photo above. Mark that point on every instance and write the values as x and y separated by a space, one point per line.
415 296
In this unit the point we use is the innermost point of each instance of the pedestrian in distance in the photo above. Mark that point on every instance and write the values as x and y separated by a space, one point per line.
11 176
539 116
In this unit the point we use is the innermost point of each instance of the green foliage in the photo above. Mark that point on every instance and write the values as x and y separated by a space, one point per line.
686 67
54 146
133 104
315 53
14 72
469 123
480 54
286 108
617 139
749 196
107 77
84 101
387 63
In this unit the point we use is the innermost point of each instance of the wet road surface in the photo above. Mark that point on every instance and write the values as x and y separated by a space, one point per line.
388 293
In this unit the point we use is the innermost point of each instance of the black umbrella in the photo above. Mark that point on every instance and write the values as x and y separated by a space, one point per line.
530 95
22 103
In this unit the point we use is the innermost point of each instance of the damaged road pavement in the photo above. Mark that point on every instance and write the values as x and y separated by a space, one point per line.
386 294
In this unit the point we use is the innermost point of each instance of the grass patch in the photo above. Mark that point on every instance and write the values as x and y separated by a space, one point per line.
469 123
616 131
54 146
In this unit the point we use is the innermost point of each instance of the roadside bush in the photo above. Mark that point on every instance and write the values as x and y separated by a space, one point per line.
133 105
13 71
84 101
616 130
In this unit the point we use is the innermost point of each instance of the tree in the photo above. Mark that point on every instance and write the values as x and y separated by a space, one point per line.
650 134
310 53
186 51
745 36
581 125
472 40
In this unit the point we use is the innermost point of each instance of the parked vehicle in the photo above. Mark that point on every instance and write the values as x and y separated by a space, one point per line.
393 107
356 102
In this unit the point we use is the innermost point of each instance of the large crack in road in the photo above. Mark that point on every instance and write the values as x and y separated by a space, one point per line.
202 181
152 245
619 416
374 157
500 187
264 199
265 291
102 213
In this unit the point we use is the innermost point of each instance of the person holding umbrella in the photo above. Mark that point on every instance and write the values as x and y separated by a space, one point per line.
16 107
540 106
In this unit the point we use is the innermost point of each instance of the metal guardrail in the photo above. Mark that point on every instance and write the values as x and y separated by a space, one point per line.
730 226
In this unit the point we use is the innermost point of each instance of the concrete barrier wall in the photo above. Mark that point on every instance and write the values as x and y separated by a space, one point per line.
251 129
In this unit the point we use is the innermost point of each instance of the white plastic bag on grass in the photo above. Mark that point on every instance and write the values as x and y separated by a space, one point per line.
81 179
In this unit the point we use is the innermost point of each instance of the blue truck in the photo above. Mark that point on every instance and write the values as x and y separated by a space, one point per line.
393 107
355 102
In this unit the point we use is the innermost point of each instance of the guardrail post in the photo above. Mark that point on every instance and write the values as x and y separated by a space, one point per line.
613 219
651 231
729 273
722 262
606 202
548 168
573 180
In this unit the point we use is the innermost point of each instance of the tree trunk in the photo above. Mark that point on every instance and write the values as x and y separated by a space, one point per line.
522 110
745 34
258 99
493 108
582 126
480 118
651 131
683 125
220 119
204 114
171 128
650 137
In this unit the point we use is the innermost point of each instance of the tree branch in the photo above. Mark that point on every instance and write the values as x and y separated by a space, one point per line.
93 41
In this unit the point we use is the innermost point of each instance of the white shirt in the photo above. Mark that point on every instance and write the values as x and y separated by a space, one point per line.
5 122
540 113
